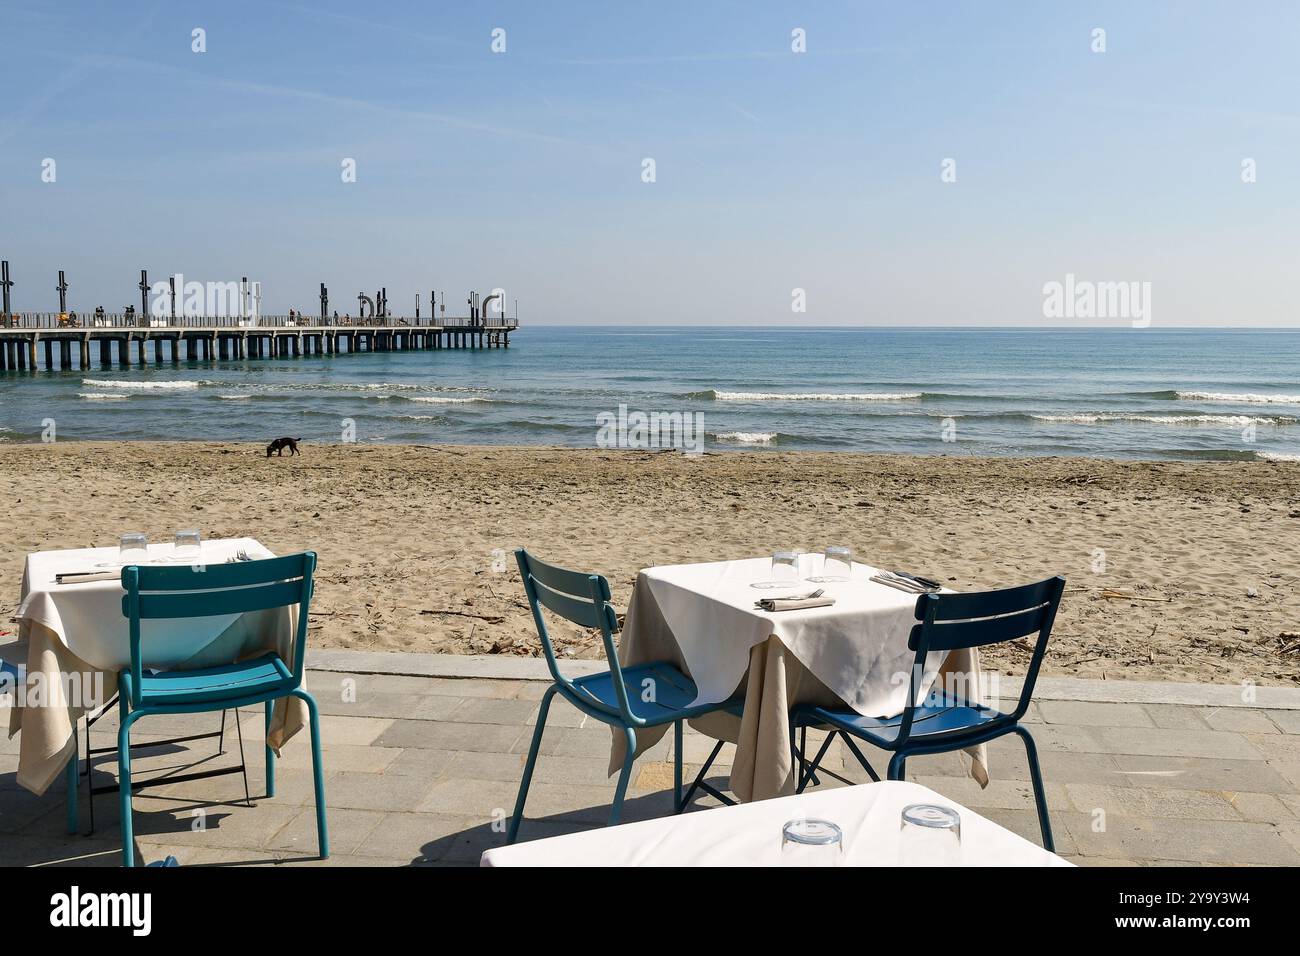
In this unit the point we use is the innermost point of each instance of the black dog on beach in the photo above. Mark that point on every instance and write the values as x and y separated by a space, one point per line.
280 444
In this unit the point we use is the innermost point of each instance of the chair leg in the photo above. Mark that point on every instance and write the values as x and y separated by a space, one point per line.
678 805
243 766
513 830
270 754
318 773
803 749
897 767
73 777
810 775
629 756
700 784
90 781
1040 797
848 741
124 782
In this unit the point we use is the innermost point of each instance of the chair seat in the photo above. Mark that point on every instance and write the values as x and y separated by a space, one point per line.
673 693
212 685
937 715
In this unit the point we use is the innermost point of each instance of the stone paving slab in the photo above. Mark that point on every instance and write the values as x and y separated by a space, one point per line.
423 757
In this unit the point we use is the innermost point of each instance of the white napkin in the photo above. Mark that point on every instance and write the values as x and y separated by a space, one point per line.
794 604
83 577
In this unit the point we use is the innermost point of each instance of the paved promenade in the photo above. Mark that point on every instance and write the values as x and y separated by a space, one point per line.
423 754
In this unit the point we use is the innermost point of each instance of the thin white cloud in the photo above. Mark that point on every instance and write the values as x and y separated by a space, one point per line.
331 99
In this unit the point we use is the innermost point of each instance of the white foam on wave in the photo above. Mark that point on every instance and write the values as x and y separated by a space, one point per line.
1228 421
136 386
1276 456
747 438
815 396
343 386
102 396
1251 398
234 397
439 400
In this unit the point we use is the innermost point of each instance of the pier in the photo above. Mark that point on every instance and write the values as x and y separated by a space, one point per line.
66 342
237 331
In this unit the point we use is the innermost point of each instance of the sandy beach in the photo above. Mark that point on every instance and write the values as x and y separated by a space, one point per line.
1174 571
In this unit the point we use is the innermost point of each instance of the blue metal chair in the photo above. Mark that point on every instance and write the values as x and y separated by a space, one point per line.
943 721
660 693
214 590
9 685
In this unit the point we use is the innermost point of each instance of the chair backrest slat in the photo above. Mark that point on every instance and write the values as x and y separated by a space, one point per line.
582 599
184 592
259 597
584 613
564 580
987 603
953 634
209 577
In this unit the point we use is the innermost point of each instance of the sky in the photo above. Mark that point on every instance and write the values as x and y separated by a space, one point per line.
926 163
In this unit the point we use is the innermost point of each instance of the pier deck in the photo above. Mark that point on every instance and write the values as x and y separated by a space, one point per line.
27 338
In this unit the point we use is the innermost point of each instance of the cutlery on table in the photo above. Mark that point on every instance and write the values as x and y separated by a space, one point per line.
903 584
924 582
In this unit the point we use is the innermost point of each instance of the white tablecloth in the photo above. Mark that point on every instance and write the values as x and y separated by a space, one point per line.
77 640
750 834
857 647
701 617
88 617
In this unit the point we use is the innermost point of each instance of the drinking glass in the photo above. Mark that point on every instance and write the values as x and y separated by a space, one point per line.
785 567
785 571
133 548
189 545
811 843
837 566
931 836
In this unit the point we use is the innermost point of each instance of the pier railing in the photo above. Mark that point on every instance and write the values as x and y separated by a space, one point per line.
122 320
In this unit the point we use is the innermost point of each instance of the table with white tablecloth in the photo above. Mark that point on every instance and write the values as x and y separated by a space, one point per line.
854 653
77 641
869 817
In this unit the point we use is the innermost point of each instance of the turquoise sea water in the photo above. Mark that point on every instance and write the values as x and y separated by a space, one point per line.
1143 393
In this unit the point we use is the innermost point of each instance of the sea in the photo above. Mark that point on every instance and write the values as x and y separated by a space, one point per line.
1174 394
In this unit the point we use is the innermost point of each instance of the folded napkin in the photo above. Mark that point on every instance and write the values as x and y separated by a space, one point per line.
793 604
80 577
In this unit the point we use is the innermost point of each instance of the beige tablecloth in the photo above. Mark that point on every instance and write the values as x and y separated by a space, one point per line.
77 641
750 835
858 648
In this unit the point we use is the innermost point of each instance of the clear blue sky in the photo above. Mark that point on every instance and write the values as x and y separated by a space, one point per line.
775 170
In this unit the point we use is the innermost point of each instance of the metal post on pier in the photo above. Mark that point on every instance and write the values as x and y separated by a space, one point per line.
5 283
171 284
144 297
324 303
62 289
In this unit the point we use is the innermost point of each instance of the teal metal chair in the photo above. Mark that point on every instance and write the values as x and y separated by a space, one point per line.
660 693
942 722
210 591
10 685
